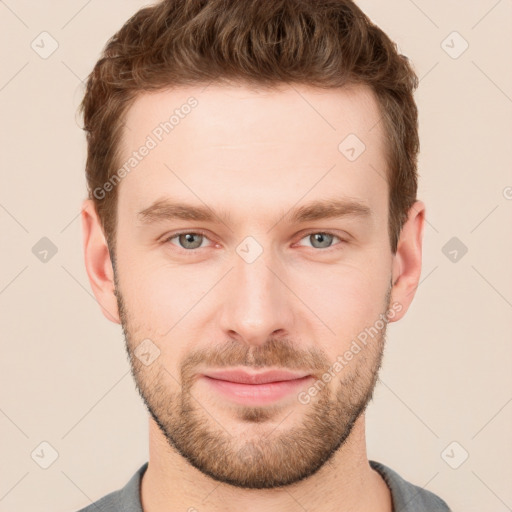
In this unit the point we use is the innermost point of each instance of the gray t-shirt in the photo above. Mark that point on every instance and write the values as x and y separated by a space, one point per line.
406 496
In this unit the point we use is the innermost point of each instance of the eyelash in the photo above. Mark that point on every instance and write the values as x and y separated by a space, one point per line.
191 252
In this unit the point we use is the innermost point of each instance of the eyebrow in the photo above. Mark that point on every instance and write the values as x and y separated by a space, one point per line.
165 210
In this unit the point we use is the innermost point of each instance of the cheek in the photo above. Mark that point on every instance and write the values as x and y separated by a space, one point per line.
159 295
347 298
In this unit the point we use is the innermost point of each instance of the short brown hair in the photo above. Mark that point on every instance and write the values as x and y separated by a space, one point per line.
324 43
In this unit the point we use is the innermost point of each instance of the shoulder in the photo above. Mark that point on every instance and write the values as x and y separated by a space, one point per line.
109 503
408 497
126 499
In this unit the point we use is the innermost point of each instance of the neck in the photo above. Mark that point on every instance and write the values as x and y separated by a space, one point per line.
346 482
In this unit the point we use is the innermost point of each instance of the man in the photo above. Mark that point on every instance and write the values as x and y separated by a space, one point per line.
252 224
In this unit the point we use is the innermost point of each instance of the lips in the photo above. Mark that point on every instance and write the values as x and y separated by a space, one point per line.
243 377
255 389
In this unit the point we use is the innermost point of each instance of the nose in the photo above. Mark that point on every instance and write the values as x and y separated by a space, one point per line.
256 302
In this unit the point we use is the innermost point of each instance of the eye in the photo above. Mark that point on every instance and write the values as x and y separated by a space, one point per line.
321 239
188 240
191 240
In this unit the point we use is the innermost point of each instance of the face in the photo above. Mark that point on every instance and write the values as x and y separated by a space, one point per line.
250 240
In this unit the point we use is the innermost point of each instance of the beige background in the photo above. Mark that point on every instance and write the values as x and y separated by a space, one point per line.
446 374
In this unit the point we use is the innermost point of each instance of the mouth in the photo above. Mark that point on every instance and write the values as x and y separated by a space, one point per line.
261 388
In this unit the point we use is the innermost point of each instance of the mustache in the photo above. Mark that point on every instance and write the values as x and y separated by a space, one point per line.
275 352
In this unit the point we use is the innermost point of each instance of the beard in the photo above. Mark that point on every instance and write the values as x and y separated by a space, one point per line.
270 457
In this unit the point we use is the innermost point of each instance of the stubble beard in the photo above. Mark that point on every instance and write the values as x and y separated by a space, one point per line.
275 457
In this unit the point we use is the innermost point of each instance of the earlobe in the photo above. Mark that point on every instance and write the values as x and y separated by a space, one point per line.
98 263
407 260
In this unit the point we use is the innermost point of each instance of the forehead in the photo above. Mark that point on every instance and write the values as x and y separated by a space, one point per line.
251 148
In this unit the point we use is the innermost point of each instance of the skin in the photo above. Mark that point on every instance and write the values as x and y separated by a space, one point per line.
255 155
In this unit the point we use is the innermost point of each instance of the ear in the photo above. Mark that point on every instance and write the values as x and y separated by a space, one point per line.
407 260
98 262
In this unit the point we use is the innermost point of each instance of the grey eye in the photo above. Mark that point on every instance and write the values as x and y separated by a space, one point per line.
186 240
321 240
